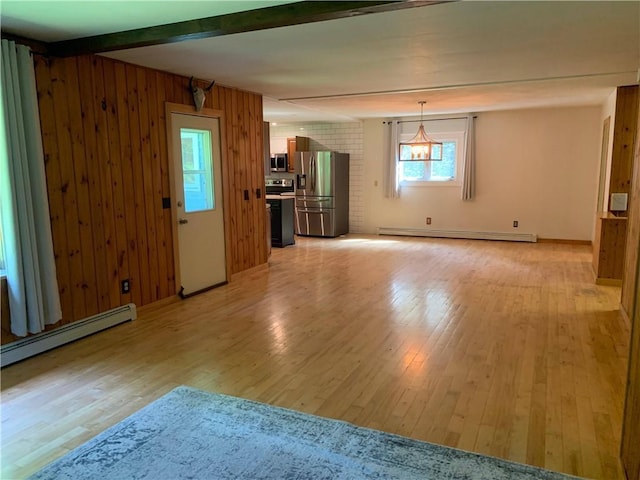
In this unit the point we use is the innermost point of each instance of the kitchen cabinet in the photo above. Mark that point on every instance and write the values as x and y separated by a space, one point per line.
297 144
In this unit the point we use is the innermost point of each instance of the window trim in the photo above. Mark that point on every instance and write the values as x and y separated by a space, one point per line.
456 136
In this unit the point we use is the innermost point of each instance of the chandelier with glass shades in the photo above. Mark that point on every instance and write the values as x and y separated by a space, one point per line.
420 148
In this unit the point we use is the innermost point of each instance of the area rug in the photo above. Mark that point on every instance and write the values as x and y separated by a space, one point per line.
191 434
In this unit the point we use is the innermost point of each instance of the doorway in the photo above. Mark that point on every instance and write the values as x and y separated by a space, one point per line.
198 202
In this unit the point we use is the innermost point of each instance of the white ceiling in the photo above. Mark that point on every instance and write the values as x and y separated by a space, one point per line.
462 56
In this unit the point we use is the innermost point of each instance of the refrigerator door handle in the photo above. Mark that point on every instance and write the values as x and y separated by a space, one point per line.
316 211
313 173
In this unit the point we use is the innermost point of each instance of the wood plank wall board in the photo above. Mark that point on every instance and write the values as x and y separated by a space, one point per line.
5 331
630 275
69 204
624 133
232 187
81 178
54 183
165 89
158 156
612 248
118 197
104 138
138 183
86 87
147 182
629 451
104 157
128 187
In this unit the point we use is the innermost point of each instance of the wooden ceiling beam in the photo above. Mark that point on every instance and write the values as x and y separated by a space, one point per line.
247 21
35 45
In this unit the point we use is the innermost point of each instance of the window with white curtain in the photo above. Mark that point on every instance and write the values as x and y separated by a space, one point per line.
447 171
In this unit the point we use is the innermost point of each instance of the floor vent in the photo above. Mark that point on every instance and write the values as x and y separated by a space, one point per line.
30 346
419 232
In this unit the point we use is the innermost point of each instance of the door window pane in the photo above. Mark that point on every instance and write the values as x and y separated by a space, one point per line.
197 170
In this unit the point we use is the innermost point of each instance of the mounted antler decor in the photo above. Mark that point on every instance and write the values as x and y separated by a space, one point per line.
199 94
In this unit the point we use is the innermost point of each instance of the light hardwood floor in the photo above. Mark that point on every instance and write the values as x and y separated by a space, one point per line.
506 349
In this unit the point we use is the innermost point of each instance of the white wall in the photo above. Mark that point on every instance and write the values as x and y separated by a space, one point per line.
608 110
340 137
537 166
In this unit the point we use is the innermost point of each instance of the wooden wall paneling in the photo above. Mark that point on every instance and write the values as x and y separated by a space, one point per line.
261 169
156 158
629 451
236 187
59 89
147 183
105 162
182 84
104 136
86 90
624 132
244 122
52 165
255 180
138 183
228 239
163 221
612 247
255 143
215 97
128 184
167 84
630 276
121 269
81 177
241 172
5 320
257 166
233 188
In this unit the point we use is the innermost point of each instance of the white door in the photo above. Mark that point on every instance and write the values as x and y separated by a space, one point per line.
198 186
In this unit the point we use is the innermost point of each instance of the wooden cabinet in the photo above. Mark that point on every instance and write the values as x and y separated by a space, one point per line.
297 144
611 230
609 249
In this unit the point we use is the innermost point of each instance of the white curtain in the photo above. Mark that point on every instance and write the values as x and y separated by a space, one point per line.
34 300
392 186
469 172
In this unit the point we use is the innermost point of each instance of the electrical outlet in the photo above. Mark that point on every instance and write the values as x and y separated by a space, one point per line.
515 224
125 286
428 220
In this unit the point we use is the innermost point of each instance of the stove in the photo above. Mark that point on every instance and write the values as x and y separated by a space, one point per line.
280 197
279 186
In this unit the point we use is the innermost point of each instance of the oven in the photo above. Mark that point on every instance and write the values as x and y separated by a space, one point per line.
280 197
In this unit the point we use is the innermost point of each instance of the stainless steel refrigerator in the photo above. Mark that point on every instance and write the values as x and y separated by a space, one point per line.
322 193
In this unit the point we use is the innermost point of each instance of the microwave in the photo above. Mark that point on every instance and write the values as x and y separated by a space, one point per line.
279 162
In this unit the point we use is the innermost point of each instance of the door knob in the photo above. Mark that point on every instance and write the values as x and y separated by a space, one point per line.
182 221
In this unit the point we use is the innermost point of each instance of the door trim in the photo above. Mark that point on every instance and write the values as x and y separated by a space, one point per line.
209 113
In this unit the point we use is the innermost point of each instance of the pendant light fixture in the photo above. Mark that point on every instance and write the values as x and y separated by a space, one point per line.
420 148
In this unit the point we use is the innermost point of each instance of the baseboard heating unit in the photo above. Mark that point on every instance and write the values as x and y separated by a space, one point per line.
421 232
30 346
